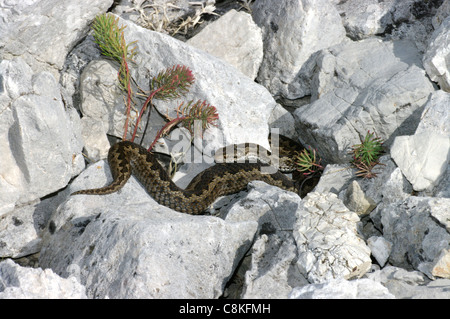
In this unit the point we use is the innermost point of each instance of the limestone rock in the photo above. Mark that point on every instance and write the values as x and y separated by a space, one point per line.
380 248
437 55
357 201
327 240
441 265
389 185
405 284
234 38
335 178
21 221
442 13
418 239
101 98
274 252
18 282
34 122
283 120
42 32
96 144
146 250
102 103
273 272
367 85
436 114
283 66
422 157
342 289
273 208
365 18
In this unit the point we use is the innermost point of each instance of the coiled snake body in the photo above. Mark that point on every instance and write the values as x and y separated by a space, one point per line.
126 158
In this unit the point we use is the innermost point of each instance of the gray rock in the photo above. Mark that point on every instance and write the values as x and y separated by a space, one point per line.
284 70
389 185
335 178
435 59
405 284
273 272
357 201
442 13
125 245
435 118
236 39
422 157
35 122
380 248
96 144
283 120
101 98
394 189
274 209
23 221
362 19
367 85
30 221
418 240
343 289
436 115
42 32
442 189
389 19
77 60
271 261
328 244
18 282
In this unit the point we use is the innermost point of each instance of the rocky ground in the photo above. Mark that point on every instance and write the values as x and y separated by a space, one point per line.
323 72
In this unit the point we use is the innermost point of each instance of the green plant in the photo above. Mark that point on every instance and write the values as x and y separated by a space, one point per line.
111 40
172 83
308 162
366 155
200 111
168 84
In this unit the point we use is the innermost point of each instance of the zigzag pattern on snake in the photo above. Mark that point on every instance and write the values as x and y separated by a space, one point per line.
126 158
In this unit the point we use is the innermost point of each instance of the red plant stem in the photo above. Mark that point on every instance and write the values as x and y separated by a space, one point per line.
127 71
161 131
144 107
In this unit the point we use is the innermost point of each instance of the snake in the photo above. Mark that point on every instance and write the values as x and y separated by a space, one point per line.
126 158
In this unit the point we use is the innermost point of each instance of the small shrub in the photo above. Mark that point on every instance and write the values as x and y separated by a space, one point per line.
308 162
366 155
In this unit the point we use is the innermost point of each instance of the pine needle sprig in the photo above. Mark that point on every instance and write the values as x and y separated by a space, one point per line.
172 83
111 40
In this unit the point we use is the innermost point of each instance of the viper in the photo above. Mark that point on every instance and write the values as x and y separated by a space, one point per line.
126 158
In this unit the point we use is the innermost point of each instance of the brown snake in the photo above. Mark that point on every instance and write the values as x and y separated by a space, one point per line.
126 158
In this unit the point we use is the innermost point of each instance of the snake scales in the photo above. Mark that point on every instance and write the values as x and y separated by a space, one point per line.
126 158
